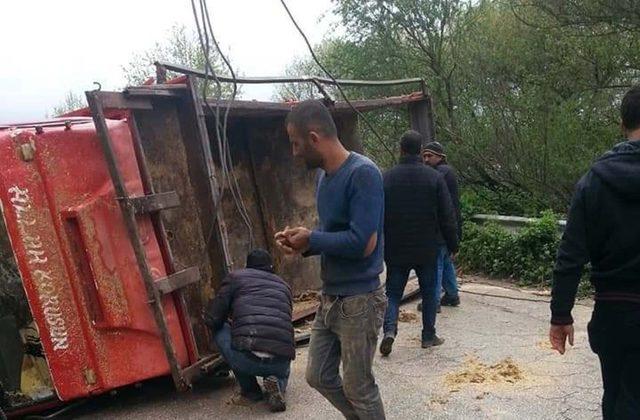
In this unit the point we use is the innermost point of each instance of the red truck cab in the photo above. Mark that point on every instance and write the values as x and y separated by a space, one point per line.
89 318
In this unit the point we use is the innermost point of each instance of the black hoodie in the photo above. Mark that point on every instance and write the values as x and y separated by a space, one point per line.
603 228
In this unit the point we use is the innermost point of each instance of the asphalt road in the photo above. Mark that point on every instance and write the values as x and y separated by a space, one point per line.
417 383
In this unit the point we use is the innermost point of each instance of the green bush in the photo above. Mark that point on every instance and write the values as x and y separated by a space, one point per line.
527 255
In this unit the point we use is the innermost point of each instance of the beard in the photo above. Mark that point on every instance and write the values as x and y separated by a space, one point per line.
313 162
312 158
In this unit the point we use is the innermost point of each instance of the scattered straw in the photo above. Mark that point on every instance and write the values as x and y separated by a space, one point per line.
544 345
481 395
308 296
437 402
406 316
474 371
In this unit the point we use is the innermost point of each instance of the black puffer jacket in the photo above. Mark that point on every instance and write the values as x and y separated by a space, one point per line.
418 213
260 305
603 228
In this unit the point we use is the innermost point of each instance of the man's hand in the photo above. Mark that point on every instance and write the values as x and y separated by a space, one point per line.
282 240
299 239
293 241
558 336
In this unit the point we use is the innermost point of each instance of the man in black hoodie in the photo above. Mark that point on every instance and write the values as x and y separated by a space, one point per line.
603 228
259 340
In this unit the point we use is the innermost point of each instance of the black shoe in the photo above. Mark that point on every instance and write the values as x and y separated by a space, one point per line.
275 397
435 341
449 301
386 345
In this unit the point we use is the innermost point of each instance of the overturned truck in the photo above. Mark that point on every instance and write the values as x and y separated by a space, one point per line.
118 227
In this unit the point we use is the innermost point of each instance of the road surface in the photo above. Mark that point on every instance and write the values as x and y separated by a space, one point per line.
440 383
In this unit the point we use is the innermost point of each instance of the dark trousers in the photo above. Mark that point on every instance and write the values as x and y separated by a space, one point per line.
246 365
397 277
614 335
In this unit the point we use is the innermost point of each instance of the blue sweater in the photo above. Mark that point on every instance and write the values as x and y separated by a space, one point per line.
351 209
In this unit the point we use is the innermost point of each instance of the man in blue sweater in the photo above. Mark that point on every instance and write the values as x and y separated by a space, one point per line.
349 239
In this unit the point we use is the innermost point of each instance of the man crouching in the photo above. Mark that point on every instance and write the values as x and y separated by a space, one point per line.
258 341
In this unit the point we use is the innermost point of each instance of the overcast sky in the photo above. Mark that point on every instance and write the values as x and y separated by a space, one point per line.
50 47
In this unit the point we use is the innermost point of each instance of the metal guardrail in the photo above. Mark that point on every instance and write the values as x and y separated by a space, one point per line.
512 223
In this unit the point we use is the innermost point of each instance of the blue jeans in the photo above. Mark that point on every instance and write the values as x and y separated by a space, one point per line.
446 274
397 277
246 365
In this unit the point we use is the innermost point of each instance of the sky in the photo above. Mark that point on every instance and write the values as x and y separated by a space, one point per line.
51 47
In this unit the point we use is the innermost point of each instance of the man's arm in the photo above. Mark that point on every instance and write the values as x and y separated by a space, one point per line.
572 256
447 216
366 203
220 306
451 178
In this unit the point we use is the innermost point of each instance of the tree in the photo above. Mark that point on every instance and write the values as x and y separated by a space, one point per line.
181 46
600 15
71 102
524 100
425 33
298 91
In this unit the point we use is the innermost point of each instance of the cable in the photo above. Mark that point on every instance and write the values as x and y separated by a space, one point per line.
227 150
224 149
504 296
577 303
57 413
226 163
204 45
205 48
523 299
333 79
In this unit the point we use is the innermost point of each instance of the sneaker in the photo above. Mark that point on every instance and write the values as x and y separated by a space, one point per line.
386 345
449 301
274 395
435 341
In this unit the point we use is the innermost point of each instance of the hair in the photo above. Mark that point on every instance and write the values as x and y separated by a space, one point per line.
312 115
259 259
411 142
630 109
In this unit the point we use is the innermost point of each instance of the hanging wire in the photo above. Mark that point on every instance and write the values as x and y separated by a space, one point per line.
227 149
335 82
205 32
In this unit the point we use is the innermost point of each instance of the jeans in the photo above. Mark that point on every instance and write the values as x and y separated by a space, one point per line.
346 330
614 335
397 277
447 274
246 365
